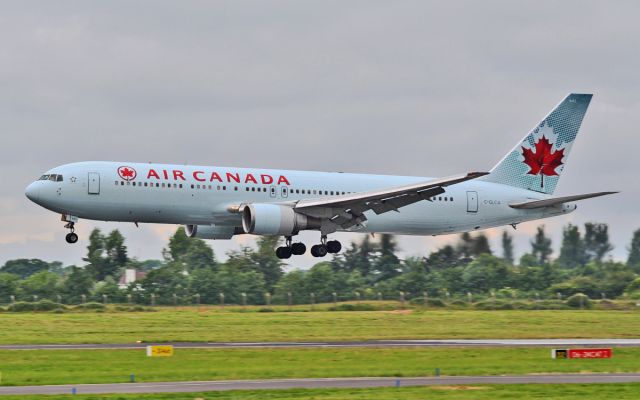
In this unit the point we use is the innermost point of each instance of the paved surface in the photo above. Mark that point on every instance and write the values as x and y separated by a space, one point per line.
371 343
204 386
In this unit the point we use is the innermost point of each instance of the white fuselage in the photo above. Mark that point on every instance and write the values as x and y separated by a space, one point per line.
199 195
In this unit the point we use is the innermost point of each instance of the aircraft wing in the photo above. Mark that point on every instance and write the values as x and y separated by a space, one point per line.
554 201
347 211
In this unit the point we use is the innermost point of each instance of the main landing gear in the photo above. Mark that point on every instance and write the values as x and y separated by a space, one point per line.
71 237
298 249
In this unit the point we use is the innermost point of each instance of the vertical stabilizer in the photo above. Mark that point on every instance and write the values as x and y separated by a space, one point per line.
537 162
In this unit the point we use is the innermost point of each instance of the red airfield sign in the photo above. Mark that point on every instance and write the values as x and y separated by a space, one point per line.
582 353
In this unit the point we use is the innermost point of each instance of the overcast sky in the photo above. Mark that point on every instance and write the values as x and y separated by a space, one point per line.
396 87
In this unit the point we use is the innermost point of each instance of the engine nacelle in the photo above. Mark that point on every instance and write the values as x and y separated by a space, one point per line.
274 219
211 231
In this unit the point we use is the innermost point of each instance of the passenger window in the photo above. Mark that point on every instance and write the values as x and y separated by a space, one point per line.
450 198
192 186
180 186
253 189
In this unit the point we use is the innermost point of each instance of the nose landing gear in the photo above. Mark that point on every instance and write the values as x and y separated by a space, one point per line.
71 237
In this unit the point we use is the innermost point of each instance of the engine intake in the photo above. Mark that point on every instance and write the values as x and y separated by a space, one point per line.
274 219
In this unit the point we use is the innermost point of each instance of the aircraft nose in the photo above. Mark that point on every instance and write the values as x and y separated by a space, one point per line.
32 192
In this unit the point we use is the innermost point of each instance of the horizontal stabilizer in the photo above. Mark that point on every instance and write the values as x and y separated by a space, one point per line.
554 201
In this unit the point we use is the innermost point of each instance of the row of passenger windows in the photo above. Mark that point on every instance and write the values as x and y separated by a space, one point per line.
51 177
252 189
224 187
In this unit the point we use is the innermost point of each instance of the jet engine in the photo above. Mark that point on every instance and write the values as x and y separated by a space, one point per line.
274 219
212 231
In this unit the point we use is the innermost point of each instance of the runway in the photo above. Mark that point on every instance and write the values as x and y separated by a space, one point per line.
206 386
325 344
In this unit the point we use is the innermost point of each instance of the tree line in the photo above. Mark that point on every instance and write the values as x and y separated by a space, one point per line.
190 273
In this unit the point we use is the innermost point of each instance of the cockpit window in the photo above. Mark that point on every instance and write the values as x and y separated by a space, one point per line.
51 177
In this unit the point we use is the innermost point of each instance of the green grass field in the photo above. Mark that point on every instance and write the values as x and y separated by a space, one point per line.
37 367
483 392
211 324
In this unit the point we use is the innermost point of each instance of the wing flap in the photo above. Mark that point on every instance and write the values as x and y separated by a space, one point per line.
348 211
554 201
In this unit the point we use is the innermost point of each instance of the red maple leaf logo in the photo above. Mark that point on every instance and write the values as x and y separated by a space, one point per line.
127 173
543 161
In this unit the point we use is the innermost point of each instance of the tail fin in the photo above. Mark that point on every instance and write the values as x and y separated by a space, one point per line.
536 163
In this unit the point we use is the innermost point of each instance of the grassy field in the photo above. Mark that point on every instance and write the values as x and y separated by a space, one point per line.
37 367
211 324
483 392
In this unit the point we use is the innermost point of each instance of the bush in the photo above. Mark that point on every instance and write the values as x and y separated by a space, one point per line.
47 305
459 303
521 305
579 300
90 306
549 305
265 309
493 305
436 302
353 307
21 306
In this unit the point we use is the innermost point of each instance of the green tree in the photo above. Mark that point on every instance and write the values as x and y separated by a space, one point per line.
444 257
116 252
292 282
189 253
596 241
485 273
541 246
572 251
266 261
634 251
43 284
8 286
480 245
24 267
164 283
387 265
465 245
77 283
507 247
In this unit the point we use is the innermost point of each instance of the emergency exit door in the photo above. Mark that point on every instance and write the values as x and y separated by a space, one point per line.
472 202
94 183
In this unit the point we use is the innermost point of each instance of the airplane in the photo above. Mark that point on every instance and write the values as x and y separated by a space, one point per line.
220 202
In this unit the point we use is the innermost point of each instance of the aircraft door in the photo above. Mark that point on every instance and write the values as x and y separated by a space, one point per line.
94 183
272 191
284 192
472 202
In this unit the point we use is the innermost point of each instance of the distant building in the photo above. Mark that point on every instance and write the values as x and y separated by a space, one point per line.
130 276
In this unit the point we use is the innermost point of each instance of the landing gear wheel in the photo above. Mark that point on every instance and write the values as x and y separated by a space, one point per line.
319 250
71 238
333 246
283 253
298 249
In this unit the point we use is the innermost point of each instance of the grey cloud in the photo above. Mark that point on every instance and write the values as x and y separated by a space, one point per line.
412 88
